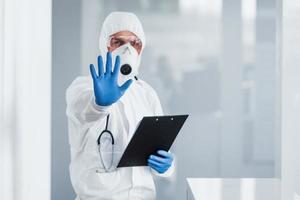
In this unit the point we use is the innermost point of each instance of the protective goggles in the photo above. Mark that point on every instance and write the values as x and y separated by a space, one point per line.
117 41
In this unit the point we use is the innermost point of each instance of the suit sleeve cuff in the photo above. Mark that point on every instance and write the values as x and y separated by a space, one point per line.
100 108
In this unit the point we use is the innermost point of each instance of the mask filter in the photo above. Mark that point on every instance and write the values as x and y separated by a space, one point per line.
129 61
126 69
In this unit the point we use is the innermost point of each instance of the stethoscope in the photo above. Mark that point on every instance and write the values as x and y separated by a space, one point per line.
105 132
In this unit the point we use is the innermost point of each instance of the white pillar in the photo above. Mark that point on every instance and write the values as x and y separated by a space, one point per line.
290 160
25 99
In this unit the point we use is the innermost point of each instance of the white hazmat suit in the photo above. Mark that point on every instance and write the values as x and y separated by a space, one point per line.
86 120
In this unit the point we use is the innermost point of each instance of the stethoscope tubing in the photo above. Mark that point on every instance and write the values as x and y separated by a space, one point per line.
112 142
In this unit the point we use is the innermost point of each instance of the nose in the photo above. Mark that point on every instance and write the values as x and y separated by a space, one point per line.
127 49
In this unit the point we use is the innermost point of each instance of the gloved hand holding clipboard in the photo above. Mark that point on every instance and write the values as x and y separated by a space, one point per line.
153 133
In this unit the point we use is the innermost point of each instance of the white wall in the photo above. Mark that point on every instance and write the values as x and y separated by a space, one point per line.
290 99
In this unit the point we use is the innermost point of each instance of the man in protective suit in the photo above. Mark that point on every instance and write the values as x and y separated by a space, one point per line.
113 99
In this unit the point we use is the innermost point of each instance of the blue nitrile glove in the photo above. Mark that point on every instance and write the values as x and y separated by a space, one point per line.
162 162
106 87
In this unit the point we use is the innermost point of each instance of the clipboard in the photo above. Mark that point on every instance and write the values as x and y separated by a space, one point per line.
153 133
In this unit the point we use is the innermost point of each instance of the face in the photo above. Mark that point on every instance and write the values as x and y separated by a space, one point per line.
123 37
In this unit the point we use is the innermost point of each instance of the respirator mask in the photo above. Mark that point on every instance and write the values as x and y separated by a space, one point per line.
129 57
129 62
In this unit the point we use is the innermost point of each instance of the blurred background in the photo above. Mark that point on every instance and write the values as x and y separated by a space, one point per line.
215 60
231 64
